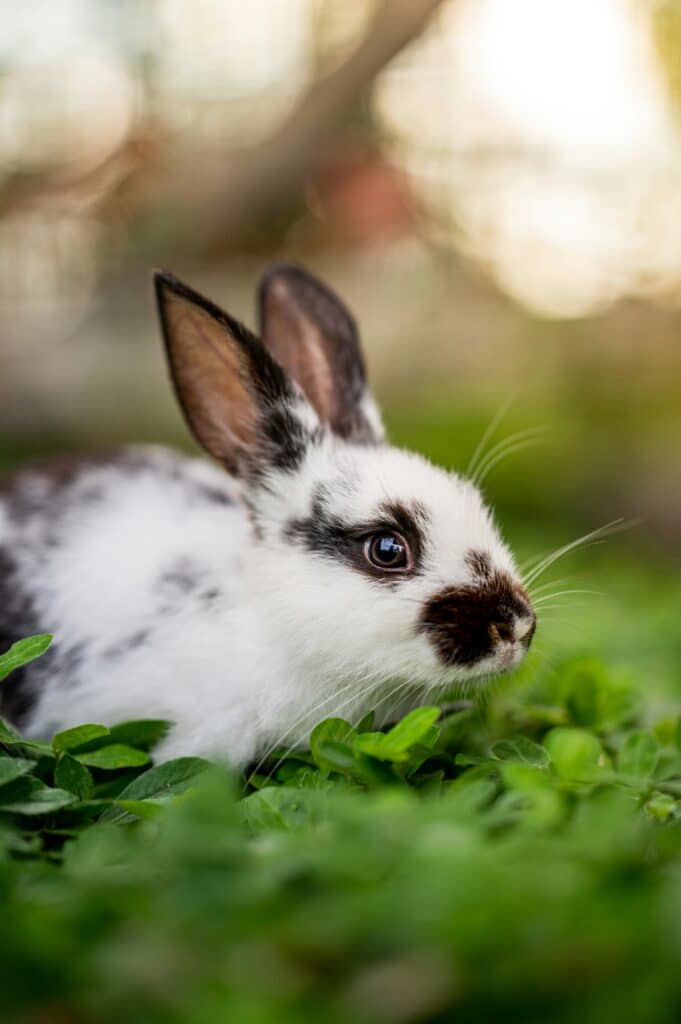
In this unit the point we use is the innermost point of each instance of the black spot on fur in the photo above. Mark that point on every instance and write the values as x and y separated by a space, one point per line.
67 662
35 501
17 620
214 495
465 623
186 580
42 483
133 642
325 533
285 439
182 578
480 564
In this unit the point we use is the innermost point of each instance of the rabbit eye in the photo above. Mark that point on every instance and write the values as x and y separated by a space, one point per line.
387 551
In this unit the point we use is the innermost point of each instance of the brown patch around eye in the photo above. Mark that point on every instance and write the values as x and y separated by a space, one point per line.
328 535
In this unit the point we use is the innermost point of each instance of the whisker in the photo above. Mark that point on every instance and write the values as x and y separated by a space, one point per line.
563 593
282 739
593 536
512 449
355 697
551 583
487 434
519 435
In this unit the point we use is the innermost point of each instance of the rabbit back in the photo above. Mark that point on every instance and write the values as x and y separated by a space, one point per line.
106 552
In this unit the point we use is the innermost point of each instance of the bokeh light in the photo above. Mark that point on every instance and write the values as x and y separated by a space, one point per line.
540 139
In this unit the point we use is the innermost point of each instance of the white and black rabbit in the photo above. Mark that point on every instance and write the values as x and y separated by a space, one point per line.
314 571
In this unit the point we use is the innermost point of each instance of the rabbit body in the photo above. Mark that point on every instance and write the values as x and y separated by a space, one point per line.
136 564
329 574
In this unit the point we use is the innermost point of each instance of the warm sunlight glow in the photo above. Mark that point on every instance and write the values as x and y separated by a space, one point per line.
542 134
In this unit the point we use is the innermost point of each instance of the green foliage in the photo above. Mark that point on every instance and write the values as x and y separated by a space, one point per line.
515 860
22 652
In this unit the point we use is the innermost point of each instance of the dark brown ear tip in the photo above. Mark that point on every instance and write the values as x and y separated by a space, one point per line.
303 288
284 269
165 282
297 277
281 273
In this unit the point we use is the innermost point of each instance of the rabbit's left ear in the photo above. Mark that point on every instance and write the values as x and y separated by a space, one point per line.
237 400
314 337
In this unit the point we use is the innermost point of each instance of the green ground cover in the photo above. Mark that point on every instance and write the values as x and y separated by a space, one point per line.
517 858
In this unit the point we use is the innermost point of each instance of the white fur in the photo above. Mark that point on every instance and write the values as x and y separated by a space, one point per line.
292 636
173 591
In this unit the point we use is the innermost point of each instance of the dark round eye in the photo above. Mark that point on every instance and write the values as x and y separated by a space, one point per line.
387 551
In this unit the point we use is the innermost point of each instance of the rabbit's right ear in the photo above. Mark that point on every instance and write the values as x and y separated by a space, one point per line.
238 402
314 337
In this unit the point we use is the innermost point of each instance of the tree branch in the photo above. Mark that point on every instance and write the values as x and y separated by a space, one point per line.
247 183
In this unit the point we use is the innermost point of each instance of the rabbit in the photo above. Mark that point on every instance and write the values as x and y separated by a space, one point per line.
308 570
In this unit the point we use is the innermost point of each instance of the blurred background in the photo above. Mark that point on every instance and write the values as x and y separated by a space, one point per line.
493 186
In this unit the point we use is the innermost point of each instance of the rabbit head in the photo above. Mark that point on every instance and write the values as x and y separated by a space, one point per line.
369 562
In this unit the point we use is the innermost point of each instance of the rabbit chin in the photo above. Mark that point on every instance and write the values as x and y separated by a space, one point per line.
504 660
469 679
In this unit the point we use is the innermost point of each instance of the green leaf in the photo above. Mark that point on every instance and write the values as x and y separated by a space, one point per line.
140 808
522 749
336 757
12 768
366 723
162 781
33 749
638 755
144 733
331 740
72 739
117 755
525 778
463 760
8 734
418 727
593 696
576 754
30 796
23 652
276 807
69 774
661 806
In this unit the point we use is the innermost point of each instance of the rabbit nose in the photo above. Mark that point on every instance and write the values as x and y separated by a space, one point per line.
469 624
516 625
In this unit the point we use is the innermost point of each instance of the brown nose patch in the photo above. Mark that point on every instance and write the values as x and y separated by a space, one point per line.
465 623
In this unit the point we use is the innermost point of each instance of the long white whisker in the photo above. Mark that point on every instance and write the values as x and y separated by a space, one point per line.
563 593
551 583
603 531
357 697
487 434
301 718
519 446
504 443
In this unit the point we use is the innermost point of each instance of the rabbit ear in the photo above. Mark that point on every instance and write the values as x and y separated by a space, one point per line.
237 401
314 337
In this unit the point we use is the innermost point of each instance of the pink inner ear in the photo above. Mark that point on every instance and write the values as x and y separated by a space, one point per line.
210 381
300 347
